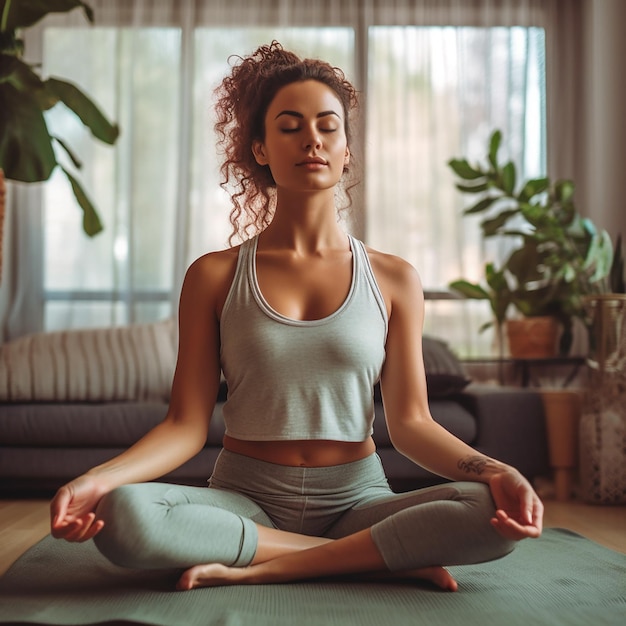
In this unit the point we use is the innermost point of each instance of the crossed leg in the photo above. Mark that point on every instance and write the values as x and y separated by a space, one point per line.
402 534
284 557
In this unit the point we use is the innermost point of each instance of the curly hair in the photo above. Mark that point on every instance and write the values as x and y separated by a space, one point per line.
243 98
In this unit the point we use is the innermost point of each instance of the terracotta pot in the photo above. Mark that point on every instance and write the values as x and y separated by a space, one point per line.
533 337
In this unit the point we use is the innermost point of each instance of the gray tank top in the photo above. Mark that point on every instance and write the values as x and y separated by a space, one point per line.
294 379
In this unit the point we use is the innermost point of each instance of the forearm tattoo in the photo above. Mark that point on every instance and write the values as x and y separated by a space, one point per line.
473 464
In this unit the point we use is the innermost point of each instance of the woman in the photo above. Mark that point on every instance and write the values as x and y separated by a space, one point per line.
303 320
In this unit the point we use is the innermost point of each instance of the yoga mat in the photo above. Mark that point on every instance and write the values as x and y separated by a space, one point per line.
559 579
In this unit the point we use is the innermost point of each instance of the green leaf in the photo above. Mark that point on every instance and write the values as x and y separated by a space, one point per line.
18 73
473 188
493 225
464 170
508 178
91 222
532 188
564 191
7 66
481 206
26 152
494 146
469 290
599 256
485 326
495 278
85 109
23 13
523 263
75 160
617 277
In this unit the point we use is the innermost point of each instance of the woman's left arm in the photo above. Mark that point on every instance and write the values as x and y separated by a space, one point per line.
412 429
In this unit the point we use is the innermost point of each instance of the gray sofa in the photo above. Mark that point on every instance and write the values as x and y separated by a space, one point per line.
45 442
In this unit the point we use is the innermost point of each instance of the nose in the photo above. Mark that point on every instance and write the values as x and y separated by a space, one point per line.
312 139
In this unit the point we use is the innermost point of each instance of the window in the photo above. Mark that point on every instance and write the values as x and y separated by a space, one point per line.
430 93
435 93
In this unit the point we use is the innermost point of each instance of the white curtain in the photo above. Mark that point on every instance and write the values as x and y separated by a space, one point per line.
436 78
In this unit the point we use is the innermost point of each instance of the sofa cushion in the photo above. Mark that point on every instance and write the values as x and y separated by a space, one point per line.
134 362
93 425
448 412
445 374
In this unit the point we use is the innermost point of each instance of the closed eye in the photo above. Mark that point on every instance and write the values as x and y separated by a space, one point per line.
295 130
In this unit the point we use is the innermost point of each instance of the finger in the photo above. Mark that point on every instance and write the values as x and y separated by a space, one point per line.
538 516
93 531
527 506
89 528
59 506
512 529
507 531
77 530
67 531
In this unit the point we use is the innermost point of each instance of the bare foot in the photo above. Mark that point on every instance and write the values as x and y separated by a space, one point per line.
439 576
211 575
217 575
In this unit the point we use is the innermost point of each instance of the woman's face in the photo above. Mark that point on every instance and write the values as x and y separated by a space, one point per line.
305 143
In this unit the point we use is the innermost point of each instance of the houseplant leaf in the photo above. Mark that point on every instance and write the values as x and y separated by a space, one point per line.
483 186
481 205
70 153
23 13
508 178
532 188
599 256
469 290
464 170
26 152
493 225
85 109
617 277
564 191
91 222
494 145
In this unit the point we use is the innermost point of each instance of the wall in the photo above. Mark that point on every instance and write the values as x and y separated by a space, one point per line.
602 178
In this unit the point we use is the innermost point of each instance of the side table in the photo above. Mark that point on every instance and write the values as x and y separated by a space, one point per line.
562 409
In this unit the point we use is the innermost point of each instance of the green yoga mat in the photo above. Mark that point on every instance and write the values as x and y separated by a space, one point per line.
559 579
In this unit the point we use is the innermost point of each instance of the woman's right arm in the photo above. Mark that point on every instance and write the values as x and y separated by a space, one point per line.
183 432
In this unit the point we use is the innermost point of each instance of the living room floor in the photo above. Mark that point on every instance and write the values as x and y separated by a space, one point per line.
24 522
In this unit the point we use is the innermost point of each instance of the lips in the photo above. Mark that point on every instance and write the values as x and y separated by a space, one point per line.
313 161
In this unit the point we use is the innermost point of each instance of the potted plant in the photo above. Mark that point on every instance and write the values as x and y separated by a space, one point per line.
603 420
557 257
27 148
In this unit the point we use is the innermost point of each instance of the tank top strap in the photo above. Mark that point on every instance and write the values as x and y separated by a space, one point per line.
239 288
363 268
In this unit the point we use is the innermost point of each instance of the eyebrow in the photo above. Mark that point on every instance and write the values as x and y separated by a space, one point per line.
299 115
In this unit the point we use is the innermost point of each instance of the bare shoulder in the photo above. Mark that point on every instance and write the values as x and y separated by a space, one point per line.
395 275
214 263
210 275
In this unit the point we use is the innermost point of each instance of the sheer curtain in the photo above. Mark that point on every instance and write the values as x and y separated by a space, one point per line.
436 78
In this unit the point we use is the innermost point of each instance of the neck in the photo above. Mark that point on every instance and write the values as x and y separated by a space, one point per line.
305 224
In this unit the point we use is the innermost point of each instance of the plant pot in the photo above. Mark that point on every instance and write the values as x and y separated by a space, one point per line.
533 337
607 332
603 423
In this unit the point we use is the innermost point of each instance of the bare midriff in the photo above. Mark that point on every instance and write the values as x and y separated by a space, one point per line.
302 453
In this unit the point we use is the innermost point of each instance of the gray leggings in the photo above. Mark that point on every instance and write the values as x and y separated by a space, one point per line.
157 525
